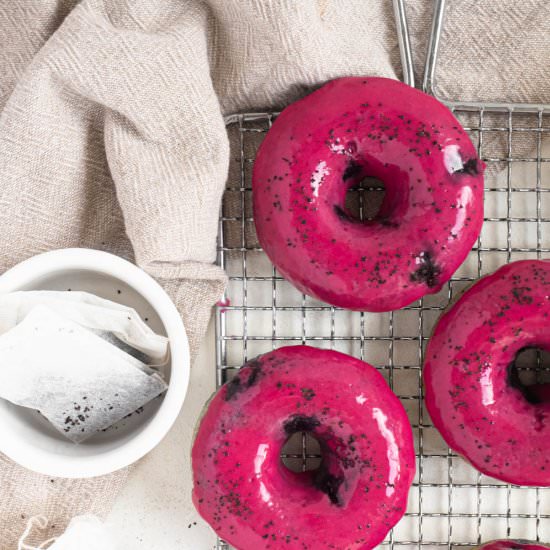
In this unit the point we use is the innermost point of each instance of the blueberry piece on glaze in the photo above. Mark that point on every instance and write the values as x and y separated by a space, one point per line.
470 167
251 372
455 163
427 272
329 484
233 387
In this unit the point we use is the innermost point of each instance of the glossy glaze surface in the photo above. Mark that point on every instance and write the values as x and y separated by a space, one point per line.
472 390
360 491
329 141
513 545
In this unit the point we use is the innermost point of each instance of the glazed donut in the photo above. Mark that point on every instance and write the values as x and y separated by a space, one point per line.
360 490
513 545
329 141
473 392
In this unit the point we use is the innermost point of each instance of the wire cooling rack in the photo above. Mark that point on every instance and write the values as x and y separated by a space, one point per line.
450 503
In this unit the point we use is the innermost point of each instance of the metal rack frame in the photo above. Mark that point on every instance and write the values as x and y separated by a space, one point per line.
250 325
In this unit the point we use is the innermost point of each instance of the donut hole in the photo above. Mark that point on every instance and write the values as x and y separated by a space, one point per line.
301 453
364 200
530 373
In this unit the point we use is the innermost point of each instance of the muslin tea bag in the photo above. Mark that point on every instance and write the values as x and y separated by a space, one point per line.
78 381
83 533
120 325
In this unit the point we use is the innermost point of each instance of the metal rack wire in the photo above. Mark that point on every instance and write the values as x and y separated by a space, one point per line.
450 504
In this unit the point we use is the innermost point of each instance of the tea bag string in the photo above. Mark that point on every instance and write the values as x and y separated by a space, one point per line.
41 523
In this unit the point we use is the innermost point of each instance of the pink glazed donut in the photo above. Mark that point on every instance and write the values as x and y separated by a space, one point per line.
360 490
329 141
473 391
513 545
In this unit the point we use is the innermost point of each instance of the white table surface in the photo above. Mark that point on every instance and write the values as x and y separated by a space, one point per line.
154 510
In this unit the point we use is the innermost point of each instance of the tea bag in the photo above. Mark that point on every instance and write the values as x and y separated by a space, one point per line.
118 324
78 381
86 532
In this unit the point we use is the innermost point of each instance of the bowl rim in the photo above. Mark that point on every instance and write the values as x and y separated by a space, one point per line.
55 465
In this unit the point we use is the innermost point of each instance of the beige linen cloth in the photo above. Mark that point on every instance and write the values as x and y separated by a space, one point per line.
112 133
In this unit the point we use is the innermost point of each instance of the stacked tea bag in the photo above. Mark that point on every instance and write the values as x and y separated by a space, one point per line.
82 361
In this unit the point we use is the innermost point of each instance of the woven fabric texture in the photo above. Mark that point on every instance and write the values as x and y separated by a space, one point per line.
112 134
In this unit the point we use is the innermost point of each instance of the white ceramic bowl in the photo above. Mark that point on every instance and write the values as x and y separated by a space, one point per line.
28 438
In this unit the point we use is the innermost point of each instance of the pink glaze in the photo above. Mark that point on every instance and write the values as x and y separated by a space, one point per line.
360 491
513 545
329 141
473 393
